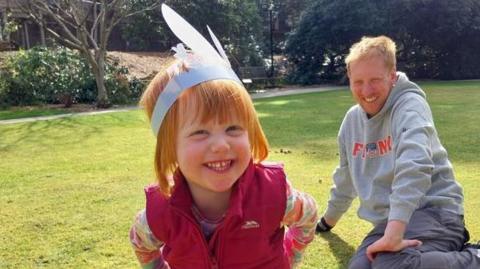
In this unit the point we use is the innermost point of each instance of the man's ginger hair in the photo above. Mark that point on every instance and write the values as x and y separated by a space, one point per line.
369 47
216 99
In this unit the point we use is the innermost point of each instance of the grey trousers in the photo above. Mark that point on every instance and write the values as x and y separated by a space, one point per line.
442 234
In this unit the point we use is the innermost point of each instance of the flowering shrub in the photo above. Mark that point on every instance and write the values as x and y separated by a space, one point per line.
58 75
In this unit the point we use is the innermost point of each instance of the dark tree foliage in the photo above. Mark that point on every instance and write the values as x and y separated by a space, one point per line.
243 32
435 38
236 23
144 31
316 48
438 38
285 16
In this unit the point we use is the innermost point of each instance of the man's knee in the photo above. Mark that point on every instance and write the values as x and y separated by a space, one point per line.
406 259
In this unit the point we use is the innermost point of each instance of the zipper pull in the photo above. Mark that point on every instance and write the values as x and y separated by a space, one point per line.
214 262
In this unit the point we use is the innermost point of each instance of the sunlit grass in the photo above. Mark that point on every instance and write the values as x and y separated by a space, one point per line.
69 188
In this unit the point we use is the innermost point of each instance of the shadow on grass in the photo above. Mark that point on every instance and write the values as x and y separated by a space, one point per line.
39 132
64 131
47 133
341 249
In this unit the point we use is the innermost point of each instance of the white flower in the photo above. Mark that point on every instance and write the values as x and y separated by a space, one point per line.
180 52
187 57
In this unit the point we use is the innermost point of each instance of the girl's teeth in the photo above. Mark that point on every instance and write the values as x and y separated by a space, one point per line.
371 99
219 166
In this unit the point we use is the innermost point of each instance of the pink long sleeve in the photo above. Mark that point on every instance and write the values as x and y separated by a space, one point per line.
300 218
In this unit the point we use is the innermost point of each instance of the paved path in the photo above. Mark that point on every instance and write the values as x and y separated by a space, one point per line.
290 91
12 121
257 95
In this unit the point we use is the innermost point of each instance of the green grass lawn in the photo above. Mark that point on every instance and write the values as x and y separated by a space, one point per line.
26 112
69 188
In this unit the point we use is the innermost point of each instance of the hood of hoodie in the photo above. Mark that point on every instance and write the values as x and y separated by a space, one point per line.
402 86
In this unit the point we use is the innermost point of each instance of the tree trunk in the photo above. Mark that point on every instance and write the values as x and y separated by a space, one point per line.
73 27
42 32
99 72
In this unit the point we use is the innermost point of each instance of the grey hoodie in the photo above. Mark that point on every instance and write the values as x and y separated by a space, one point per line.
394 162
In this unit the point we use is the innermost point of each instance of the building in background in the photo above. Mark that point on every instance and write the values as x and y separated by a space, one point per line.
18 30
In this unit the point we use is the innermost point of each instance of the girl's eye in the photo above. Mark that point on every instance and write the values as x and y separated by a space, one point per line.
235 130
199 133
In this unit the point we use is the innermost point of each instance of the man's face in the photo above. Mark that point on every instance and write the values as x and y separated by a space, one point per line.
371 82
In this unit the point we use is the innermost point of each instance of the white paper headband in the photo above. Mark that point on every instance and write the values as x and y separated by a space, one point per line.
210 65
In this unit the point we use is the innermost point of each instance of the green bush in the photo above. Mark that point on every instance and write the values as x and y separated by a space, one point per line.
137 87
117 85
42 75
4 85
59 75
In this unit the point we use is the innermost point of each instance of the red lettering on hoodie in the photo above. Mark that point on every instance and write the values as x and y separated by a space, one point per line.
357 148
385 145
373 149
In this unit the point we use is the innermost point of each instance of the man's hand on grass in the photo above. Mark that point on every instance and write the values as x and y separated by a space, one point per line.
324 225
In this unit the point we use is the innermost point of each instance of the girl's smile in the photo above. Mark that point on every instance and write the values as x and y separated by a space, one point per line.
219 166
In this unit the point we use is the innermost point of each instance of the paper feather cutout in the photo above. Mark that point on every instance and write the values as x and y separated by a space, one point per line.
192 38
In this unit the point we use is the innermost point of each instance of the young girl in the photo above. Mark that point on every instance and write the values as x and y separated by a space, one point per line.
215 204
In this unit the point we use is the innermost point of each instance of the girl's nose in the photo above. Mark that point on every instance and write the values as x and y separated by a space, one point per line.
219 144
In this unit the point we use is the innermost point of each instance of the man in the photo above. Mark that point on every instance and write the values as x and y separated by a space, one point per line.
392 159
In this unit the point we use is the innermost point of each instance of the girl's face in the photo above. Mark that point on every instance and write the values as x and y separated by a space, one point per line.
212 155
